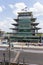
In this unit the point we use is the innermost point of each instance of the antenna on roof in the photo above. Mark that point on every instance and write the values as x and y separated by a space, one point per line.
24 9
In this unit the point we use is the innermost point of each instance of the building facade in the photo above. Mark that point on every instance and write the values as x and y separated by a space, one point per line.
25 29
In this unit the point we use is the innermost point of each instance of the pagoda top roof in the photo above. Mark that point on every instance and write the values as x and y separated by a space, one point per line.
24 12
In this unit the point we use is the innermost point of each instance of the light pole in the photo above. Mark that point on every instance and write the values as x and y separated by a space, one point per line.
23 61
9 48
4 57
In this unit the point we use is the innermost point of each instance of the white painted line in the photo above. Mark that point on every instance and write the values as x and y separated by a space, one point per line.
33 64
16 57
34 51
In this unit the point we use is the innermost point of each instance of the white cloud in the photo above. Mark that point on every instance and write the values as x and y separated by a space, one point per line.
7 24
37 9
20 5
11 6
17 7
40 26
2 8
16 11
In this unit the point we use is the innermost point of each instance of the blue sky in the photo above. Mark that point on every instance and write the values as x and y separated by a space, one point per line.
9 9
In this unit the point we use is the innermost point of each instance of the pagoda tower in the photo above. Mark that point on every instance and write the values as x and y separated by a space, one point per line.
25 29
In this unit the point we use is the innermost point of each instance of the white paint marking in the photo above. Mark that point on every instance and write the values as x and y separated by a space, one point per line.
16 57
34 51
33 64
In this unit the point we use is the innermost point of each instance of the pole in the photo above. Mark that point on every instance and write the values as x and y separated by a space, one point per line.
4 57
23 61
9 49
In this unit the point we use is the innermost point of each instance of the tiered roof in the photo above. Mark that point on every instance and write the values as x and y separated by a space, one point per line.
28 31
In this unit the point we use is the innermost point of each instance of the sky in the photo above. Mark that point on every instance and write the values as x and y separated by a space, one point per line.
9 9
